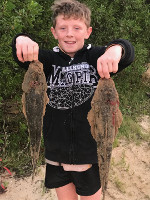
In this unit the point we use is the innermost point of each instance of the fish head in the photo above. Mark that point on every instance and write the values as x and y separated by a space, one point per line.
36 66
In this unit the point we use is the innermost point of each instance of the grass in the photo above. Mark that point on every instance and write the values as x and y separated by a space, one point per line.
131 131
121 163
119 184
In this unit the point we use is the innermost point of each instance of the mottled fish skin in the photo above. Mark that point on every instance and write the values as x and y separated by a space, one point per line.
104 118
34 100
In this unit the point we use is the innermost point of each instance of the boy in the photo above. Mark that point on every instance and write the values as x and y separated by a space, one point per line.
72 71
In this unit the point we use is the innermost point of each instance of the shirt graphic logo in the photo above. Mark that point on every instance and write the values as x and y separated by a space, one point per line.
72 85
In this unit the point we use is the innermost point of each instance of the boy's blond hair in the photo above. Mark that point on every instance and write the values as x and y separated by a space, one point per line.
71 8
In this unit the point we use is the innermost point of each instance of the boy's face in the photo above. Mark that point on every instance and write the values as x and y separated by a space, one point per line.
70 34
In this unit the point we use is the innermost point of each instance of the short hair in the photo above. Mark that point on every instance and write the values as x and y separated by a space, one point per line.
71 8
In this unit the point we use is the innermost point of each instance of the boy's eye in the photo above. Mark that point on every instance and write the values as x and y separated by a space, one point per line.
62 28
77 28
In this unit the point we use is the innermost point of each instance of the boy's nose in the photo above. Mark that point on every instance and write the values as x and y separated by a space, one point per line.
69 32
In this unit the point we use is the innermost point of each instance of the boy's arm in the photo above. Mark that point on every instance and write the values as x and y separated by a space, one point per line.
118 55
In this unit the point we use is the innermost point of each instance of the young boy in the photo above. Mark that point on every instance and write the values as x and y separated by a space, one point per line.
72 71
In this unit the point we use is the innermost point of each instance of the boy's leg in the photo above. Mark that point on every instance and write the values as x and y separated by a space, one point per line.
67 192
95 196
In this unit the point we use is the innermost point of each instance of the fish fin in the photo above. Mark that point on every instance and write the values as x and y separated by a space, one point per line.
23 105
91 120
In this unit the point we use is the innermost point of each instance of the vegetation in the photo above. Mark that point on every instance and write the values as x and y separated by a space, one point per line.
128 19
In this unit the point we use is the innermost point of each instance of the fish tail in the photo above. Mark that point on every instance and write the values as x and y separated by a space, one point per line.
104 195
34 172
34 168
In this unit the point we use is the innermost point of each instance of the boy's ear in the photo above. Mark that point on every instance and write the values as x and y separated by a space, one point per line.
54 33
89 31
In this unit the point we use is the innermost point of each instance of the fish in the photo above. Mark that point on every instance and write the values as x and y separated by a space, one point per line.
34 101
105 119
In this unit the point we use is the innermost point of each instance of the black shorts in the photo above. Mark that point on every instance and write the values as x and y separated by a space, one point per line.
87 182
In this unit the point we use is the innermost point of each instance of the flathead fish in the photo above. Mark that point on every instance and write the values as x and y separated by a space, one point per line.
34 100
104 118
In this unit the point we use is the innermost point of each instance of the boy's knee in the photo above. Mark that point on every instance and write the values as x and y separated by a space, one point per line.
95 196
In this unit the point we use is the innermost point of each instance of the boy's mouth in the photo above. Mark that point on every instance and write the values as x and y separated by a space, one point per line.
70 42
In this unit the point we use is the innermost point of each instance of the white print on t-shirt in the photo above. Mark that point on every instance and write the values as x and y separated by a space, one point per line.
72 85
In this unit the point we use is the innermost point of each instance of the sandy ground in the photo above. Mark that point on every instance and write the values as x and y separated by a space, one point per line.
129 176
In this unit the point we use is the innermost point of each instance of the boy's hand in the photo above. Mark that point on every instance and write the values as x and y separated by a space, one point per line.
108 62
26 49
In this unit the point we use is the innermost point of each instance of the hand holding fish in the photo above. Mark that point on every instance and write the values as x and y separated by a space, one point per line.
26 49
108 62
